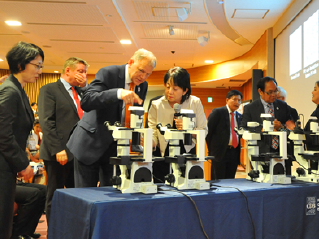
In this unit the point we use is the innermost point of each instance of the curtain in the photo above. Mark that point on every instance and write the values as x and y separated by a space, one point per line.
32 89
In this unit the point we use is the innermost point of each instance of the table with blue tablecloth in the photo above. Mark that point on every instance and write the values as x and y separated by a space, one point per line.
273 211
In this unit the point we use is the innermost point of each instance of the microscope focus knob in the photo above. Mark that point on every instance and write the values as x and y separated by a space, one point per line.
300 172
254 174
170 178
116 180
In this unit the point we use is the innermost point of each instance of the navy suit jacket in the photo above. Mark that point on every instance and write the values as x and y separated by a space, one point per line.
219 132
91 138
57 115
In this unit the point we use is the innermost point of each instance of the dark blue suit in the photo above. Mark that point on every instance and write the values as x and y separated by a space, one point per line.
282 113
226 160
91 143
252 113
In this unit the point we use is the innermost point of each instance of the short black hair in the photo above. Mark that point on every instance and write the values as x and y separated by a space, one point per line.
262 82
181 78
34 103
234 93
36 121
317 83
21 54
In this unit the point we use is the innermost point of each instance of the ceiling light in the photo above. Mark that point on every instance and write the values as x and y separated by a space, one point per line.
170 30
123 41
13 23
56 71
202 40
1 60
182 13
209 61
220 1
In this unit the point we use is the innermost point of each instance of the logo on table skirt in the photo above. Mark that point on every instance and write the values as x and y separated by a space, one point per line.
311 206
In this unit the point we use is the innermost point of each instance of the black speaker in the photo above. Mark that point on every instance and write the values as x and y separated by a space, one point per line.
257 74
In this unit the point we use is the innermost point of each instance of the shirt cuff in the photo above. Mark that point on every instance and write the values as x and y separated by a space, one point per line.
119 92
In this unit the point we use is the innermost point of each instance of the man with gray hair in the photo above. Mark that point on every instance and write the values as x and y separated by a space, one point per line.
59 111
113 88
282 95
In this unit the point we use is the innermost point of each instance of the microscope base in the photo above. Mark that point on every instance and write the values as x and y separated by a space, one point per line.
309 178
268 178
194 179
137 178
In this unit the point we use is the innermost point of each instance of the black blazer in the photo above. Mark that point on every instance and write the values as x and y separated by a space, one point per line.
252 113
90 138
57 115
16 121
253 110
219 132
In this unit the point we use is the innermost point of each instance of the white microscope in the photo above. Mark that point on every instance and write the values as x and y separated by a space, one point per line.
188 170
136 170
267 167
308 160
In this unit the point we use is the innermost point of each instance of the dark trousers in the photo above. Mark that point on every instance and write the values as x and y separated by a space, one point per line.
58 177
31 200
227 167
7 191
101 170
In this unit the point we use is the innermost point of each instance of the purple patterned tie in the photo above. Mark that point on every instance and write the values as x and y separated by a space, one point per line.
275 140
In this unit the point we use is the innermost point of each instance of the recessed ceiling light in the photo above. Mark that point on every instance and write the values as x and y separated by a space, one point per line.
1 60
123 41
13 23
209 61
56 71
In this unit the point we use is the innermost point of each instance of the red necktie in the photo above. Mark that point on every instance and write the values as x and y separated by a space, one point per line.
127 112
77 101
233 134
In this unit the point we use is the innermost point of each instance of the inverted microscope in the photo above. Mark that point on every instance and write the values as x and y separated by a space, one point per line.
308 160
186 170
267 167
135 169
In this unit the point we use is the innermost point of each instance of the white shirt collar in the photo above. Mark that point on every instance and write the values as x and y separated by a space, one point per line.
127 76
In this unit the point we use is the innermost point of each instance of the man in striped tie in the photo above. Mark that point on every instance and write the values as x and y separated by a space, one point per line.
267 103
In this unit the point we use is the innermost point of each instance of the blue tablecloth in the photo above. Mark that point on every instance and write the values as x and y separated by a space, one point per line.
278 211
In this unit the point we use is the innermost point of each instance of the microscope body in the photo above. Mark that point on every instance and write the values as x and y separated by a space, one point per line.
135 170
308 160
186 170
267 167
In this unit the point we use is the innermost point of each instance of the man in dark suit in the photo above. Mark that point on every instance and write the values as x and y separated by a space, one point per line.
91 142
222 141
59 111
267 88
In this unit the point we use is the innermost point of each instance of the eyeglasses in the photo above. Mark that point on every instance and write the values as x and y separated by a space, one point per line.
37 65
272 92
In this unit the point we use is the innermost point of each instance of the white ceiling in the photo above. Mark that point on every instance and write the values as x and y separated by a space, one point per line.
92 29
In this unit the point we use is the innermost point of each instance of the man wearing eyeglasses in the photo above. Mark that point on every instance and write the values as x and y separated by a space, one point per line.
106 98
268 103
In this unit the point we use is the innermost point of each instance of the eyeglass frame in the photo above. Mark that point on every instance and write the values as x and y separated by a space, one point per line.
37 65
271 93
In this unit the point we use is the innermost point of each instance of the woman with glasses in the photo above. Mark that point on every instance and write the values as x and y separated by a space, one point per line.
177 90
25 61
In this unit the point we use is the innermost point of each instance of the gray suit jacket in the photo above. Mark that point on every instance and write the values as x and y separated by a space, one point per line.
90 139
